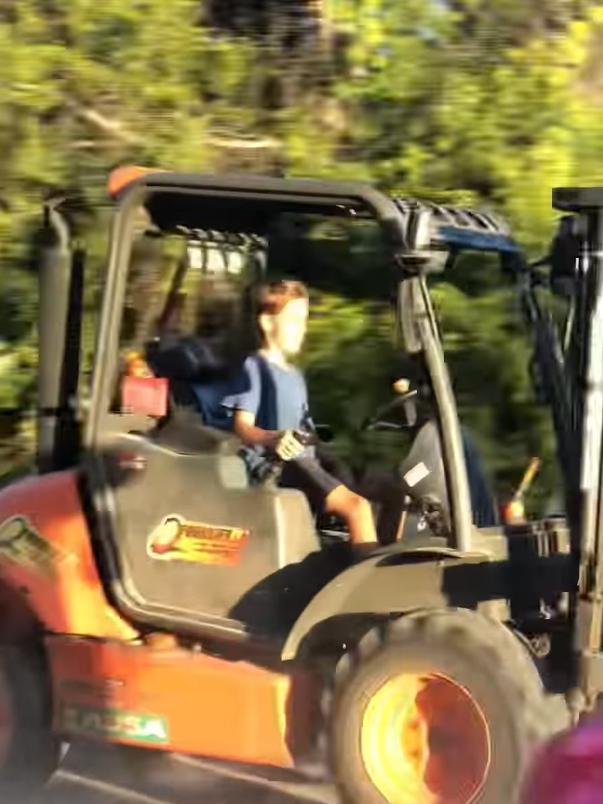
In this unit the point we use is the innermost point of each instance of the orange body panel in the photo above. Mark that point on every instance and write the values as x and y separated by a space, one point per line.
107 683
45 554
180 700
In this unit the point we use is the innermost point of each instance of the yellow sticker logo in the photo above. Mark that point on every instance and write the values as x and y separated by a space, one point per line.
176 539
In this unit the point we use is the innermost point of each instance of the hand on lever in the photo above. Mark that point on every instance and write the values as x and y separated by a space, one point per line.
289 447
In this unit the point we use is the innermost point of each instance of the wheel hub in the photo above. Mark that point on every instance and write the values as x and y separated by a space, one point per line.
425 740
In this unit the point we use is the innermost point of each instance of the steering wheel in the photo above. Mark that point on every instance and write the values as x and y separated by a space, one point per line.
405 403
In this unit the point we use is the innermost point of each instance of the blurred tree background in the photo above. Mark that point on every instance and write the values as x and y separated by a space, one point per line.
488 103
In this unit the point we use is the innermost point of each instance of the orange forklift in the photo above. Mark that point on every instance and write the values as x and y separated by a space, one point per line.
154 595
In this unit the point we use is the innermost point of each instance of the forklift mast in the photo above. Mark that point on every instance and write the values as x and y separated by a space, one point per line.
568 371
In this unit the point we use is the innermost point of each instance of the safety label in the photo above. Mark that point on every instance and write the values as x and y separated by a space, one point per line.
21 543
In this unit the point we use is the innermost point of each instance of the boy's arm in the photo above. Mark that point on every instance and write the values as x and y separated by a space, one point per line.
284 443
245 427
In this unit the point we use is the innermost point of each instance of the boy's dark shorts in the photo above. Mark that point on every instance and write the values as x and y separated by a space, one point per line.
307 475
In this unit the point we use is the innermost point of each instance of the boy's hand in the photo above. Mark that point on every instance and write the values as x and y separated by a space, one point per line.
288 447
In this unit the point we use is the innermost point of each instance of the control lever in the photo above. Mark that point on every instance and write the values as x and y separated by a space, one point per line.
271 471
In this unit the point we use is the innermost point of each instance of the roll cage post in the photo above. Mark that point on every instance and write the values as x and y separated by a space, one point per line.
421 336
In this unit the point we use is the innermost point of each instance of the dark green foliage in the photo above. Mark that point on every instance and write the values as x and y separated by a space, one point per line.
471 101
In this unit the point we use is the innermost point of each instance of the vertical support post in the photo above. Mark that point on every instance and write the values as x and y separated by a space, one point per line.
590 605
424 325
53 314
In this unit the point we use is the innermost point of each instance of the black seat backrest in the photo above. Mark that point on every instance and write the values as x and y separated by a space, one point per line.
422 471
186 359
199 375
424 467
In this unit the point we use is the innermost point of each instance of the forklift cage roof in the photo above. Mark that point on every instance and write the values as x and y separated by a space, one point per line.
411 226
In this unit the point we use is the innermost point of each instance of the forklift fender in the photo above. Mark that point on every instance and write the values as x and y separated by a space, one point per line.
396 583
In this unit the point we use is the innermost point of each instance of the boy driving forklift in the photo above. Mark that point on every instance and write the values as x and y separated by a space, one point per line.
270 410
421 672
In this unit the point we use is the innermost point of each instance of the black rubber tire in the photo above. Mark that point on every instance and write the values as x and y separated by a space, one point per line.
33 751
484 657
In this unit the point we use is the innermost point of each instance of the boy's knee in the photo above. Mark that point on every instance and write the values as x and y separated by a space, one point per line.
347 503
362 503
357 505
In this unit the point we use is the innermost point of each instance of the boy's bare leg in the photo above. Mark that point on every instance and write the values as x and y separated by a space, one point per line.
356 511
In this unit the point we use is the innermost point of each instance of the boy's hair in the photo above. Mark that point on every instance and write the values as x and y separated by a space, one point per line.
271 297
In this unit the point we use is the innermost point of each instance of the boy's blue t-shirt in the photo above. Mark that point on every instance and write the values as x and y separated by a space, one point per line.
275 395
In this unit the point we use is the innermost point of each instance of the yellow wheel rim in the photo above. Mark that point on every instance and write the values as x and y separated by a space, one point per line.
425 740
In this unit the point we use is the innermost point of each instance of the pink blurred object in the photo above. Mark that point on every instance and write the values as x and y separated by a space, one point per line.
569 770
145 395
